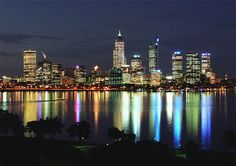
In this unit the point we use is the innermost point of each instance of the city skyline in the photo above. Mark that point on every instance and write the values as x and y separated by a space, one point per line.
95 40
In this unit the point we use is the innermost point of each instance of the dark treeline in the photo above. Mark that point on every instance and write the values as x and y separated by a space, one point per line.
42 149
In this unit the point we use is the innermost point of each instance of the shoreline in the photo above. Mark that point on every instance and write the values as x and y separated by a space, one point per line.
116 89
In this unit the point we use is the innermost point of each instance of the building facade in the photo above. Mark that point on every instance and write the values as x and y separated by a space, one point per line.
29 65
193 68
136 63
177 66
119 52
80 75
153 56
205 63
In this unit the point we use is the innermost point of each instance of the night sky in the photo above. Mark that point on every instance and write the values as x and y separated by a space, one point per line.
82 32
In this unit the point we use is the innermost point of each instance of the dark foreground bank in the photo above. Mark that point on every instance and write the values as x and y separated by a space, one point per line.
28 151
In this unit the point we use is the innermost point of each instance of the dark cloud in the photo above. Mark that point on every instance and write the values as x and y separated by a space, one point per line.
167 16
21 38
8 54
223 24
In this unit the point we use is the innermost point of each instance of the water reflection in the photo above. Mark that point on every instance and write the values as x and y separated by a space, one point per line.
155 116
137 107
178 109
125 110
187 115
192 115
206 108
169 107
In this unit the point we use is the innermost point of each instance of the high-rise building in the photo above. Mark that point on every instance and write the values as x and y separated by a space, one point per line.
96 76
177 66
44 71
153 58
119 52
136 63
114 77
206 63
193 68
126 74
80 75
155 79
56 73
137 70
206 69
29 60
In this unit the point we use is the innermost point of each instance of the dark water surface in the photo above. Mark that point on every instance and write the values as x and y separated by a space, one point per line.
168 117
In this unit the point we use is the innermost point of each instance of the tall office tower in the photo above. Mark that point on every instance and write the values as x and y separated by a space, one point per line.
45 67
206 63
136 63
119 52
193 68
126 74
29 60
56 73
80 75
96 75
153 59
177 66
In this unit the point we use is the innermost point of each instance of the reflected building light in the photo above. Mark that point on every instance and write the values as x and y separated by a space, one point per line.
125 110
137 105
96 101
206 108
30 108
178 108
117 117
46 105
77 107
169 107
158 117
192 115
39 111
155 116
4 100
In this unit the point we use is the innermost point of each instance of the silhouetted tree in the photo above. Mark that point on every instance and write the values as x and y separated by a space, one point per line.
10 122
43 127
115 134
53 126
80 129
130 137
230 139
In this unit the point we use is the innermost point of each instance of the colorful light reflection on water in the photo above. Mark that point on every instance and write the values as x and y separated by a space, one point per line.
168 117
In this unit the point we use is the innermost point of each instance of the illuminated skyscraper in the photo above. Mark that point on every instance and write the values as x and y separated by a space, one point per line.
126 74
119 52
136 63
206 63
137 74
193 68
29 60
44 71
80 75
206 69
153 59
177 66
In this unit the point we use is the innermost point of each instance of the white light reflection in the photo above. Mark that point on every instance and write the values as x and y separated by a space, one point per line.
206 108
178 108
77 107
169 107
137 106
125 110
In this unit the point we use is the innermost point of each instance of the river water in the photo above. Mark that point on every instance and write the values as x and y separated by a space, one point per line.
168 117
